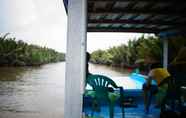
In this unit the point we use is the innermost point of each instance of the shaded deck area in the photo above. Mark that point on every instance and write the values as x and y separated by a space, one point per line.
160 17
134 110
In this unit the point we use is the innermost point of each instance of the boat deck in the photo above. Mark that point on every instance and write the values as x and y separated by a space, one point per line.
133 111
137 112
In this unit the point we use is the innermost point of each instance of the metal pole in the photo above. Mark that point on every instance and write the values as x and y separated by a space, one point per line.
75 58
165 53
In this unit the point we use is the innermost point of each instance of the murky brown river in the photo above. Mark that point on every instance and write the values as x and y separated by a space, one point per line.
37 92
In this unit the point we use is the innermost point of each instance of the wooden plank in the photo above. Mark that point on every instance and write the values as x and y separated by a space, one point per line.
137 11
146 22
137 30
156 1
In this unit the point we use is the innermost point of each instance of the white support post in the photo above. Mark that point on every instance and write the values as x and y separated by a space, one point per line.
75 58
165 53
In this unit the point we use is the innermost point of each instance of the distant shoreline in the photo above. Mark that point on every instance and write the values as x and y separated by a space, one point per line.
19 53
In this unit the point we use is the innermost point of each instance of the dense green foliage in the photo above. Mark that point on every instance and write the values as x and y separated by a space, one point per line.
144 49
19 53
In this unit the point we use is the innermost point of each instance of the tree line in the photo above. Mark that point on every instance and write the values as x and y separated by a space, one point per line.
138 51
19 53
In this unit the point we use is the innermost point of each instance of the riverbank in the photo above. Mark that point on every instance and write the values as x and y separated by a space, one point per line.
129 55
15 52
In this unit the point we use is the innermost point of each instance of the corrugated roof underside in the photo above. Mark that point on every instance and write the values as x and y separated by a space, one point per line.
148 16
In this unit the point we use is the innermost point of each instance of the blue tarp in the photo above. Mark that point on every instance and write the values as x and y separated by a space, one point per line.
140 79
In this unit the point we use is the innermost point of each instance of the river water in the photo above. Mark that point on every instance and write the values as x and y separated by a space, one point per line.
38 92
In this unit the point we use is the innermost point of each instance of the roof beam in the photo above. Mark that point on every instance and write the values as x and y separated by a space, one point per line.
136 22
137 30
180 28
161 1
137 11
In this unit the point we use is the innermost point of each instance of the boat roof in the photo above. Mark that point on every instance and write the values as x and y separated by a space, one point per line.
161 17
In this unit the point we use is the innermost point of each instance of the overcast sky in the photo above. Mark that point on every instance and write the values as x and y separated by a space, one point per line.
44 22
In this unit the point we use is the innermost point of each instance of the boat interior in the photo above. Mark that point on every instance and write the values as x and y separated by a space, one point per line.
164 18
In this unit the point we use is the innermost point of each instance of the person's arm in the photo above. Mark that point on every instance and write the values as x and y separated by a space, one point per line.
150 78
149 81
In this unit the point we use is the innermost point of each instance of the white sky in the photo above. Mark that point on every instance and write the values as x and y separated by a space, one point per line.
44 22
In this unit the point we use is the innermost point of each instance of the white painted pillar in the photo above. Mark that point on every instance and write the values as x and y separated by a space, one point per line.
165 52
75 58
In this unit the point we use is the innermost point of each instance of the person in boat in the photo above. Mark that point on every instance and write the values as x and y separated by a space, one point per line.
178 71
158 74
88 74
177 67
87 65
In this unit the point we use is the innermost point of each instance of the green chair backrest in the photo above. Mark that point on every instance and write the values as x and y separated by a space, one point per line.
100 85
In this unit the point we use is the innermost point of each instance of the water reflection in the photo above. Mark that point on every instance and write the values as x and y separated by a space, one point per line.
108 70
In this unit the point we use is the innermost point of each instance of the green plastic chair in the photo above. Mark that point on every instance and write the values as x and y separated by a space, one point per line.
104 89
